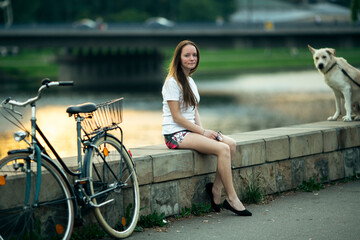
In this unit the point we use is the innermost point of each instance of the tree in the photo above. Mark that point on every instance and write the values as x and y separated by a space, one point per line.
65 11
199 10
355 8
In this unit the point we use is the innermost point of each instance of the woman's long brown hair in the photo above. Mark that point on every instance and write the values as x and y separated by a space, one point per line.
176 71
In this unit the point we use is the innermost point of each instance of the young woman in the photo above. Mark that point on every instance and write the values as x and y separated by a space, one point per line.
182 126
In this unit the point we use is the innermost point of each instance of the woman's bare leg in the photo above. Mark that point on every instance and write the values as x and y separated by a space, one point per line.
223 173
218 185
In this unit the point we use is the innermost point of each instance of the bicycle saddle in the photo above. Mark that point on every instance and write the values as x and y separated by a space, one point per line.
81 108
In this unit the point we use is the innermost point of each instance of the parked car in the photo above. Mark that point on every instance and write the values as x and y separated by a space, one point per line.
87 23
159 22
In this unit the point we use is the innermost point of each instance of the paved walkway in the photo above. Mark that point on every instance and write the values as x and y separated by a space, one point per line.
332 213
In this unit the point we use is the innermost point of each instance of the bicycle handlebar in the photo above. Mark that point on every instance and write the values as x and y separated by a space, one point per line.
45 83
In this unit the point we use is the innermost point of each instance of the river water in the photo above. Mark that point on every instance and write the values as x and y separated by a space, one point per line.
237 104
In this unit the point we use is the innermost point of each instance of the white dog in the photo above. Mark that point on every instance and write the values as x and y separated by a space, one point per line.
342 78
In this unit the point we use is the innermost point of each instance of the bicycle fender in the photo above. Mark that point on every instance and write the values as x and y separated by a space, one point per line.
28 150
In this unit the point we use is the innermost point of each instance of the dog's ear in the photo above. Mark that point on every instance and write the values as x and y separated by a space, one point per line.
312 50
331 51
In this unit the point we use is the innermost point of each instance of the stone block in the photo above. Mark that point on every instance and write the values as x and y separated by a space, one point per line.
204 163
306 143
297 172
317 166
249 153
330 139
144 169
283 175
150 150
264 175
192 190
173 165
277 148
336 166
241 179
164 198
351 161
145 200
349 137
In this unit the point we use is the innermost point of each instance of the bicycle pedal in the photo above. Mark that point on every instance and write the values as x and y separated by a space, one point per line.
82 181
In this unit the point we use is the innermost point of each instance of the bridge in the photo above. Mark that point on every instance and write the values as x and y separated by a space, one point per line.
127 55
205 35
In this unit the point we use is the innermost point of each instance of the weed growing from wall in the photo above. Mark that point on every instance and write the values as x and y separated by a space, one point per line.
253 192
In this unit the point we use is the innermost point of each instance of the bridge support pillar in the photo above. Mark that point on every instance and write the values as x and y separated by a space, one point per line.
112 69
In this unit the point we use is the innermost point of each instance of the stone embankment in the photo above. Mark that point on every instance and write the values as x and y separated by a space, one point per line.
280 159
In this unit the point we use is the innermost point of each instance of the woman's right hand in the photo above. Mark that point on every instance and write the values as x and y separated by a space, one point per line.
210 134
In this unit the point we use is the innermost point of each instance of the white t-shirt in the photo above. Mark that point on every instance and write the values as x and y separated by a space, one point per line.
171 91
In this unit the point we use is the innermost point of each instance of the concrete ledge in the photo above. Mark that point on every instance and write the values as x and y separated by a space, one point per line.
281 158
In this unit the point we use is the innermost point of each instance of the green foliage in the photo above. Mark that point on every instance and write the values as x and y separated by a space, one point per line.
196 210
152 220
128 15
29 65
311 185
355 8
87 232
199 209
50 11
253 192
355 177
207 10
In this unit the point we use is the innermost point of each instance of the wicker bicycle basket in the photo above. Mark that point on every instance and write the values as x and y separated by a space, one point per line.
107 115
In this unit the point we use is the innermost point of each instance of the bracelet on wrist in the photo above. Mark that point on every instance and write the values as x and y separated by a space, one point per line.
203 132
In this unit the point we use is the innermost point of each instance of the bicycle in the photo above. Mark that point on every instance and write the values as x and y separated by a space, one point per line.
39 199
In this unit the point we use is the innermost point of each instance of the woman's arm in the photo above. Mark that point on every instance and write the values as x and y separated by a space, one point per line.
197 118
182 121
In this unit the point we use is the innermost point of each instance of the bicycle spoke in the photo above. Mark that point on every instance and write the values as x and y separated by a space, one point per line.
113 178
40 220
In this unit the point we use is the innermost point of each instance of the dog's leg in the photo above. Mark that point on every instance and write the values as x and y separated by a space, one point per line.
337 106
347 97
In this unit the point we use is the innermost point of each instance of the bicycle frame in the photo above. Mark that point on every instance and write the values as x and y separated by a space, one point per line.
35 144
94 165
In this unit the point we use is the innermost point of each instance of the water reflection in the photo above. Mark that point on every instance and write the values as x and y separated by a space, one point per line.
140 127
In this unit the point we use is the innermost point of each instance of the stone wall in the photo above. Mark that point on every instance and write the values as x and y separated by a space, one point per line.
280 159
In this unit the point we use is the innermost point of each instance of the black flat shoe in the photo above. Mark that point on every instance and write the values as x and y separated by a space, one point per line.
215 207
227 206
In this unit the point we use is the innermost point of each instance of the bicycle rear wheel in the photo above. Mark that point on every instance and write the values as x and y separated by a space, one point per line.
110 167
24 217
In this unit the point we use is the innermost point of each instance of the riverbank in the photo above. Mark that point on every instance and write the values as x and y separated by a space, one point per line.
24 71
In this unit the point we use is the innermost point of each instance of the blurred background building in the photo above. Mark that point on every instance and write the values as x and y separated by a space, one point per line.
277 11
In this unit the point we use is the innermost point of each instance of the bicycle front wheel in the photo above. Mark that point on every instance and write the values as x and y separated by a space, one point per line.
113 178
33 205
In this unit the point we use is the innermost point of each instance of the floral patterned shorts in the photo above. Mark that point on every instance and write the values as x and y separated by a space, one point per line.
172 140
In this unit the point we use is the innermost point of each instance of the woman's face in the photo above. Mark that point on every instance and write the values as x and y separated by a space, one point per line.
189 57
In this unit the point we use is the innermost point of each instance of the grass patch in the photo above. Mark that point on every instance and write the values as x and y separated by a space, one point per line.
230 61
152 220
93 231
30 64
312 185
355 177
35 64
253 192
195 210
